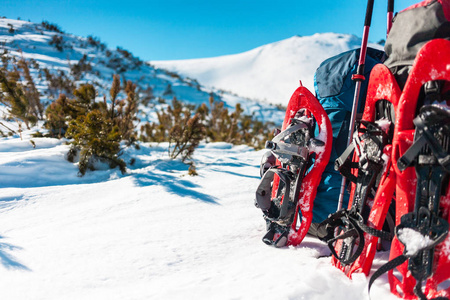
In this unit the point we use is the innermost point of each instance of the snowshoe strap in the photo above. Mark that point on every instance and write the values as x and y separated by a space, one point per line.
390 265
264 190
288 131
419 269
419 272
264 193
344 164
340 223
429 154
286 176
351 224
289 149
281 231
432 122
432 91
429 225
293 142
369 155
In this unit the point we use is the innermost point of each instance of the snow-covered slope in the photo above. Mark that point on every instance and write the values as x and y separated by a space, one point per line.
154 233
54 52
270 72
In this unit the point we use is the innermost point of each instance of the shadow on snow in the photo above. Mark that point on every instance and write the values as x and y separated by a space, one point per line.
8 260
168 176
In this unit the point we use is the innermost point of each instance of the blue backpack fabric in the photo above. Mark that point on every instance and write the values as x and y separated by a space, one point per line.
335 91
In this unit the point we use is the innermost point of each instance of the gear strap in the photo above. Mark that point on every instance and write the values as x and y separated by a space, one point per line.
354 227
344 163
427 137
285 133
403 258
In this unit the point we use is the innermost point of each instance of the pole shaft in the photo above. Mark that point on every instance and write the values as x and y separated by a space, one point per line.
390 14
359 79
350 138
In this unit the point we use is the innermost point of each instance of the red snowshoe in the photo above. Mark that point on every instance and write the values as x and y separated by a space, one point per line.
420 252
292 170
352 234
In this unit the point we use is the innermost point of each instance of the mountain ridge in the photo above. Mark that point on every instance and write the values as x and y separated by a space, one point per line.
270 72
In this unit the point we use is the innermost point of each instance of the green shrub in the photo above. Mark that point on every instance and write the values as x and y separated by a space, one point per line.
19 99
58 42
51 27
168 91
95 139
185 135
57 115
82 66
96 128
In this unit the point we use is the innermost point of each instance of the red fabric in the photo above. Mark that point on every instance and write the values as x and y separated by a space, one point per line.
420 4
445 6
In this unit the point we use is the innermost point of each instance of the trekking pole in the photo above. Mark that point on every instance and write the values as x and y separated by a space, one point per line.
390 14
359 78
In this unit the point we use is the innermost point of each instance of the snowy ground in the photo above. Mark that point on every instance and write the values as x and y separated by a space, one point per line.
154 233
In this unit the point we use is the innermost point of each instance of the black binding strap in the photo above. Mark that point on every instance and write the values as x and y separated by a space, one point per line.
386 268
440 228
431 162
344 163
368 143
291 148
390 265
352 225
428 123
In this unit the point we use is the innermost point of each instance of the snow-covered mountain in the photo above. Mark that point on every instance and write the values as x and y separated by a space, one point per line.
270 72
56 57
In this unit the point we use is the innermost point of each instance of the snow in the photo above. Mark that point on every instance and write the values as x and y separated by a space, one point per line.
413 240
153 233
268 73
384 124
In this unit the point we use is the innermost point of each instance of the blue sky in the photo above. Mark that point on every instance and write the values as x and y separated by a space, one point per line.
173 29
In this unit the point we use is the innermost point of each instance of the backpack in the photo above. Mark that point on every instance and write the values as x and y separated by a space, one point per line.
335 91
412 28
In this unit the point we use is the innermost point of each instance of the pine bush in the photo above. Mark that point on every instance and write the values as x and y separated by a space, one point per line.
97 140
95 127
14 96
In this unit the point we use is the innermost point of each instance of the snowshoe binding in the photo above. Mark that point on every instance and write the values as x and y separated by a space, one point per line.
292 170
419 265
352 234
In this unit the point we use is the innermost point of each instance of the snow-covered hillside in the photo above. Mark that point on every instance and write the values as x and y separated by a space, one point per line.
63 55
154 233
270 72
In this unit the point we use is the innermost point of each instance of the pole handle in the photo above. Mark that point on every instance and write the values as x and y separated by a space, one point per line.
369 11
390 6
